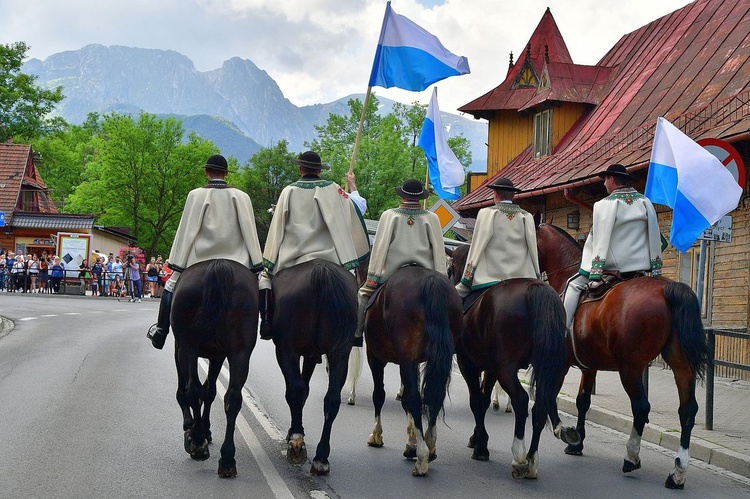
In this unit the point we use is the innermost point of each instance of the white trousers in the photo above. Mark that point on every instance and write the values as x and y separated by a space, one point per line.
571 296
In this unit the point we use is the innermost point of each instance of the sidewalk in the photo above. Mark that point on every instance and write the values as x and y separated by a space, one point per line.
727 446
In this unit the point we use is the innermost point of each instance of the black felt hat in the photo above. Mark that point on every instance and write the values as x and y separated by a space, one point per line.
412 189
217 162
616 171
504 184
310 159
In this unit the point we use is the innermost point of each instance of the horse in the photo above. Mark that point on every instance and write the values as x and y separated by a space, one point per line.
415 318
656 314
515 323
315 314
214 316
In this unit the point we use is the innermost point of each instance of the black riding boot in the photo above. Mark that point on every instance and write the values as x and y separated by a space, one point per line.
266 313
159 331
360 331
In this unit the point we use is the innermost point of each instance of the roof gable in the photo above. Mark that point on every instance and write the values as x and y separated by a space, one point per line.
18 173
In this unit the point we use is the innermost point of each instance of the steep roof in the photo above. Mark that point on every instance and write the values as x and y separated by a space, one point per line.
18 173
691 66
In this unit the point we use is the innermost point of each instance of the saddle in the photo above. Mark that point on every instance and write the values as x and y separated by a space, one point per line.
377 291
610 279
472 298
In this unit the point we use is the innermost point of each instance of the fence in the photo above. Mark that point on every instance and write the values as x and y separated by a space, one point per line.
737 349
70 283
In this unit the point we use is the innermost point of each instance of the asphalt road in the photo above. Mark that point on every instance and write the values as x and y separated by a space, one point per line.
87 409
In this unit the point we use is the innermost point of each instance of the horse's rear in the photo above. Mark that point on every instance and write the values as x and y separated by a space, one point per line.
214 316
415 318
315 314
517 323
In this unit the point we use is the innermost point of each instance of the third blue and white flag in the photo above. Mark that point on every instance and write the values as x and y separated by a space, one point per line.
690 180
410 57
445 171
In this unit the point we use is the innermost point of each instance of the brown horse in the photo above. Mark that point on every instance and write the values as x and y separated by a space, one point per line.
634 323
515 323
315 315
415 318
214 316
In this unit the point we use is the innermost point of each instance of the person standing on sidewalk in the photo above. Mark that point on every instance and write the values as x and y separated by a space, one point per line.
133 269
218 221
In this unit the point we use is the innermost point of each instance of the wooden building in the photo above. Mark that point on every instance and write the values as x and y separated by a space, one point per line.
554 124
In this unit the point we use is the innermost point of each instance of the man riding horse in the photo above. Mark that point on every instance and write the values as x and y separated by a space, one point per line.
217 222
624 237
504 243
406 235
313 219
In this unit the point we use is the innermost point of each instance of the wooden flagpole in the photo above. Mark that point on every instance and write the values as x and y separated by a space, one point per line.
359 131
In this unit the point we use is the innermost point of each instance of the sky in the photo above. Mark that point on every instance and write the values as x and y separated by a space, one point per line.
318 51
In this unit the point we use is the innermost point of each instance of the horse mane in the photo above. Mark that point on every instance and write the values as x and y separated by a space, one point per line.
559 231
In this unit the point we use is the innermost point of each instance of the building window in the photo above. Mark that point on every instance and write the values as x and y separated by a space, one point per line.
28 201
687 272
543 133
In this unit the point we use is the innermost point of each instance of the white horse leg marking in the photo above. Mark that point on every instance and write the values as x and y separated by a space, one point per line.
430 437
421 468
520 466
352 375
411 433
376 437
633 448
680 466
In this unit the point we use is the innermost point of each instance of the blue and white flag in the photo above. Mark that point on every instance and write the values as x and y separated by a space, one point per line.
445 171
690 180
411 58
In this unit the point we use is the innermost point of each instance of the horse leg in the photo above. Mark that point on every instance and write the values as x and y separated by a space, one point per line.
478 441
187 416
508 379
195 442
352 375
412 404
685 380
296 395
583 402
632 381
331 404
239 365
209 395
377 367
567 434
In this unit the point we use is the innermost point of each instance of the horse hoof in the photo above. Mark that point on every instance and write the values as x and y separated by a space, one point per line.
628 466
472 444
398 397
671 484
570 436
496 406
350 401
519 470
416 472
574 450
296 451
410 452
200 453
374 441
320 468
227 471
480 456
433 456
188 441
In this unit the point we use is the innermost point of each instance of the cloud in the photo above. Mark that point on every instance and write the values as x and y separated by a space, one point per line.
322 50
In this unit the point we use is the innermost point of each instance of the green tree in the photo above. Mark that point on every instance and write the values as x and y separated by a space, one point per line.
24 107
266 174
140 177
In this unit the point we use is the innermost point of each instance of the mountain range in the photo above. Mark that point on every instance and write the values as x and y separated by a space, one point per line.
238 106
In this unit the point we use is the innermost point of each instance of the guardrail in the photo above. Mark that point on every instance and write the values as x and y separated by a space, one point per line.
711 334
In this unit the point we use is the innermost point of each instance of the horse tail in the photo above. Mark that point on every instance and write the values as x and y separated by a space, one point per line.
687 326
549 355
333 296
217 297
435 293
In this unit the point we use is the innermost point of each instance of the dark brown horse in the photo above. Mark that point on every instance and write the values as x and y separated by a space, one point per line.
214 316
515 323
415 318
315 315
634 323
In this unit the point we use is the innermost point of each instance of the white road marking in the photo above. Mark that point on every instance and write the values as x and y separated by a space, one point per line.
274 480
28 319
49 315
72 313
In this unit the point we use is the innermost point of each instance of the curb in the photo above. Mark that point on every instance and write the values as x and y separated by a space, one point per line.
703 450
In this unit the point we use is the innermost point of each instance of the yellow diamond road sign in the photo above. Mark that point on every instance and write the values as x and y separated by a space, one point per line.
447 215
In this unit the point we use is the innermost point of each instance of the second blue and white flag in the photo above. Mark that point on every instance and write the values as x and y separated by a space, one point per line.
445 171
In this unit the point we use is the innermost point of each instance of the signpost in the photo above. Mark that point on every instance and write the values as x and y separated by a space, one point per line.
2 219
447 215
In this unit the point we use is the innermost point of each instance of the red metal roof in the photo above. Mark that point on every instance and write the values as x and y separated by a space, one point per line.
691 66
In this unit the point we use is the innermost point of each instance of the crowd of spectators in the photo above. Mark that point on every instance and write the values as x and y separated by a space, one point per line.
102 275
